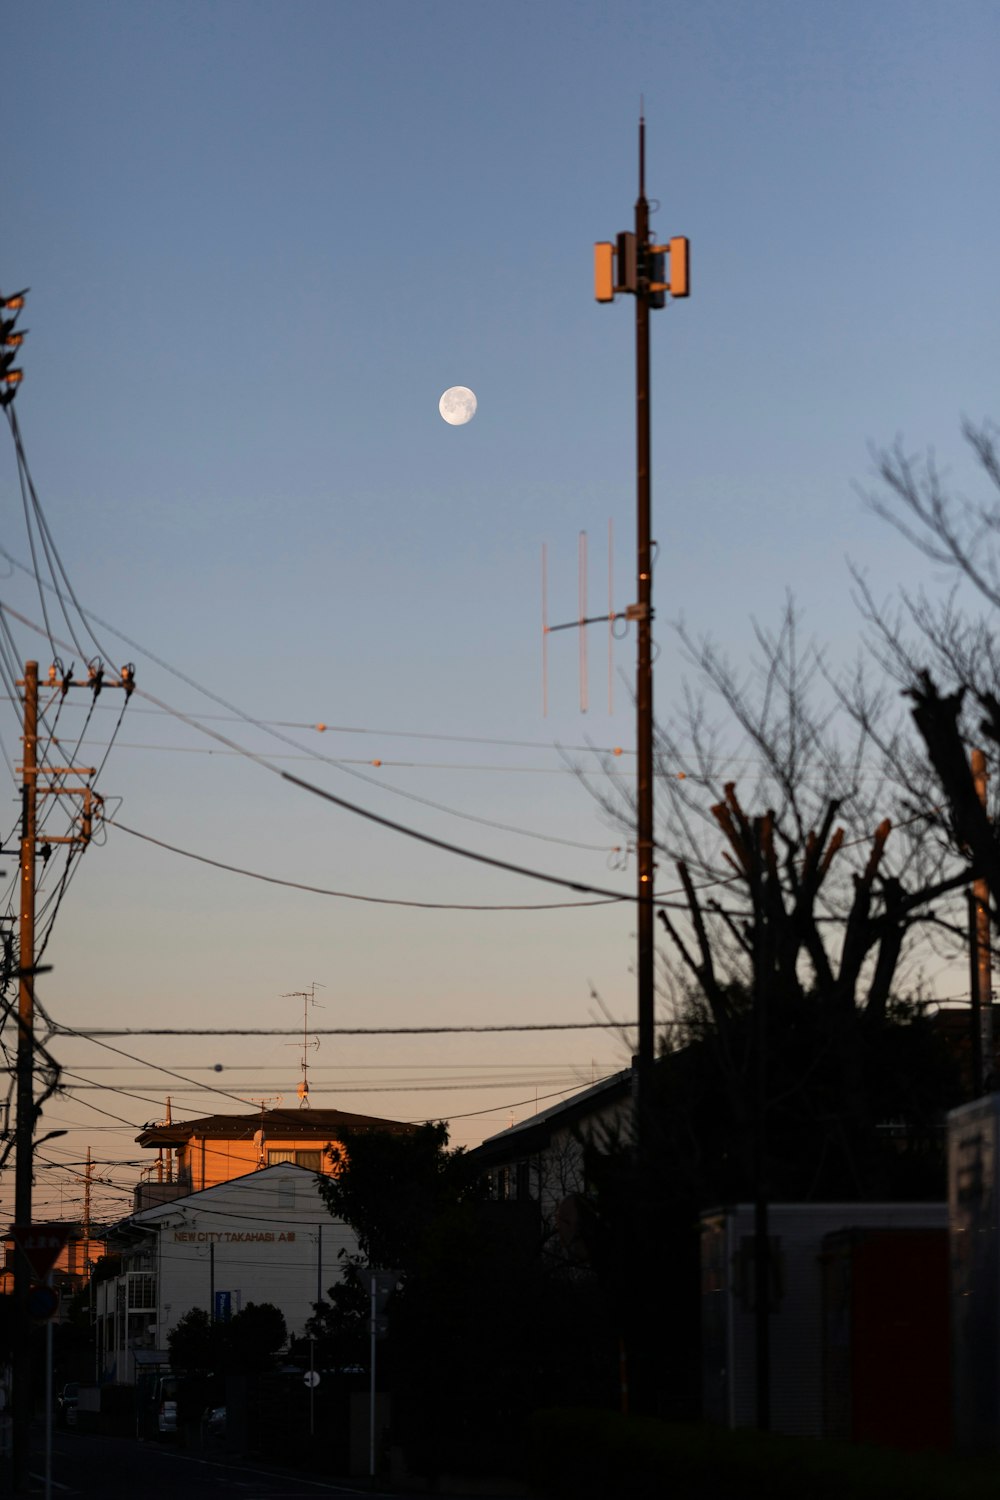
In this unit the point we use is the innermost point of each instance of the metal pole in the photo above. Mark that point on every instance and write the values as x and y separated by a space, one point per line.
761 1226
371 1408
25 1066
319 1265
48 1400
984 987
644 671
312 1387
975 1013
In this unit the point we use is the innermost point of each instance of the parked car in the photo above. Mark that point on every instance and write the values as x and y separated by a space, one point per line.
214 1422
66 1402
166 1406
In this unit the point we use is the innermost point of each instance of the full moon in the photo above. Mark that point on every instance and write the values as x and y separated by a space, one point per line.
458 405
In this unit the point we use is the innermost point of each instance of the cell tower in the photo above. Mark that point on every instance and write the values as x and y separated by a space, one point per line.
649 273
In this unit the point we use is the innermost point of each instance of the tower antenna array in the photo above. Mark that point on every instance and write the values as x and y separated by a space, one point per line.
649 273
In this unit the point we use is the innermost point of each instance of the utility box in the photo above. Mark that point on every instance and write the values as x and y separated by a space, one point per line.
795 1306
974 1230
886 1343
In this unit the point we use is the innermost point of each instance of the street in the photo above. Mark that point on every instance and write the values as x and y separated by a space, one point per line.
122 1469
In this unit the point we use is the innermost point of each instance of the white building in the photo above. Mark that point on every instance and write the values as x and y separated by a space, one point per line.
265 1237
541 1159
812 1318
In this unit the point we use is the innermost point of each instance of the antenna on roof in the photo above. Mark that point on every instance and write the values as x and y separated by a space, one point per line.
260 1135
308 997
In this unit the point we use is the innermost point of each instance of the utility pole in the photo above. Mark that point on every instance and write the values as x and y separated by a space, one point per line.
25 1082
632 264
56 783
88 1179
981 964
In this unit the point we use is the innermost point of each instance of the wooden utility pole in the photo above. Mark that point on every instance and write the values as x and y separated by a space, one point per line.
24 1129
981 961
60 781
87 1181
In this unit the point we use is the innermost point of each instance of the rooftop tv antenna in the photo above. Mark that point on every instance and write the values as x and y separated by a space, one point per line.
309 1043
260 1134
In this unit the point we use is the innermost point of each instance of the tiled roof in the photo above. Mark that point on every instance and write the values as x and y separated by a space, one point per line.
277 1124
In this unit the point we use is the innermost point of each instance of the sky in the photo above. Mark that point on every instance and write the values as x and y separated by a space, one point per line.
261 240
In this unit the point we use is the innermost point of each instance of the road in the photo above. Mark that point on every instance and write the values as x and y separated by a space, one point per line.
124 1469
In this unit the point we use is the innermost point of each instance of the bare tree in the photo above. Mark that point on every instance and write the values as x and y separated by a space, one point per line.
945 652
802 842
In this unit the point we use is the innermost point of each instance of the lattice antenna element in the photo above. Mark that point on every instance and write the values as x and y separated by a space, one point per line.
309 1043
583 619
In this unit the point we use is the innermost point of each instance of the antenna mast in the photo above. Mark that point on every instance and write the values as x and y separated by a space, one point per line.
649 273
308 998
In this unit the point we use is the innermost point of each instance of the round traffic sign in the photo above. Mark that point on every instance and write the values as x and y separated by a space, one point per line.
42 1303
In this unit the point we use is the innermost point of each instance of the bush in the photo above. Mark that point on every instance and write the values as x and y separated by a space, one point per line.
588 1455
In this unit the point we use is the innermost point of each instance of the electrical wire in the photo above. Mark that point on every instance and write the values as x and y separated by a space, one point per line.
404 829
46 534
270 728
318 1090
393 825
400 765
318 890
94 1033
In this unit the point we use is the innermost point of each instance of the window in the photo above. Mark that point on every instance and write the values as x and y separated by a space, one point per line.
141 1291
311 1160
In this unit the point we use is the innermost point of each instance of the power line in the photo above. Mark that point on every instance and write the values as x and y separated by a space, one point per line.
93 1033
319 890
447 846
266 764
382 764
465 1087
270 728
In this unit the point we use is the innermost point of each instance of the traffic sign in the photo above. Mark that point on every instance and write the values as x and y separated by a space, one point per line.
40 1244
43 1301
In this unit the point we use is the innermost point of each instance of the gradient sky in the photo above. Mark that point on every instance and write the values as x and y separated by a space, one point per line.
261 240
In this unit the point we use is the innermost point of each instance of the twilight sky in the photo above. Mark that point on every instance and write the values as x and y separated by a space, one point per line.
261 240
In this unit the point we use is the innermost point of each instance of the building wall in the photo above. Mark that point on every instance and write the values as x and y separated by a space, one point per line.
797 1232
266 1237
974 1224
554 1171
204 1161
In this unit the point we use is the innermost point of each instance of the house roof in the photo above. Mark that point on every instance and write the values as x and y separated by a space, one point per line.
253 1183
277 1124
535 1133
